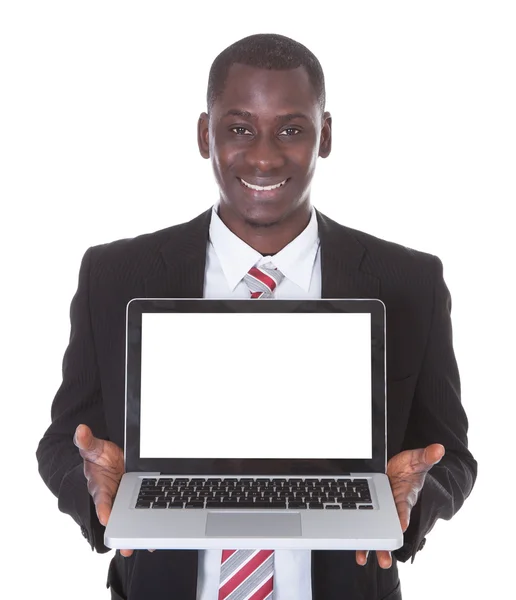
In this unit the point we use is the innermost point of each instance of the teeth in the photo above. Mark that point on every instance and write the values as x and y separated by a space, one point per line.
263 188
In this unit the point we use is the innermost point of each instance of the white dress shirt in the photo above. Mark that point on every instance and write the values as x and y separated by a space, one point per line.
228 259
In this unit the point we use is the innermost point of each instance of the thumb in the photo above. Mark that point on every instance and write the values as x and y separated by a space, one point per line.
82 436
433 454
89 446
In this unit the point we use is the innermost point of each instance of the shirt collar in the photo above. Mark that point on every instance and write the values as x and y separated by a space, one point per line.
295 260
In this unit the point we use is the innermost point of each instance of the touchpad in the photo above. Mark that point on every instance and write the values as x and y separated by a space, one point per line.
260 524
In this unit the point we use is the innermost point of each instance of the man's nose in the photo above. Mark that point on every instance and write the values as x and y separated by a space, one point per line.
265 154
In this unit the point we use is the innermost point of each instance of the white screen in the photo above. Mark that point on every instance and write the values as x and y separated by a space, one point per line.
256 385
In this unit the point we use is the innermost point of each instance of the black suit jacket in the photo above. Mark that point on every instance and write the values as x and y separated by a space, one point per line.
423 389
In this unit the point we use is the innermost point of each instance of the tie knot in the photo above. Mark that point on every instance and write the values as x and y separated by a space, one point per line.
263 280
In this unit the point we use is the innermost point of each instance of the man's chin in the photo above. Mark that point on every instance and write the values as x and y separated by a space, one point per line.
259 214
264 216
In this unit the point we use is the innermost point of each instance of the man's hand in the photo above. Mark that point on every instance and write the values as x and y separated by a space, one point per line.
407 471
103 468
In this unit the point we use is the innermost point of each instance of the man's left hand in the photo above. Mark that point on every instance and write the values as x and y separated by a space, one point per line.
406 471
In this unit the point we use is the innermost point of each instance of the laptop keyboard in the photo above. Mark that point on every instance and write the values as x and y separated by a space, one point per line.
184 492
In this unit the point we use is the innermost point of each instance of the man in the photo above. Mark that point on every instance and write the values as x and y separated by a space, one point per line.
265 128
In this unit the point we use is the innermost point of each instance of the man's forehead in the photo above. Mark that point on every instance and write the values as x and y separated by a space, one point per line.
247 86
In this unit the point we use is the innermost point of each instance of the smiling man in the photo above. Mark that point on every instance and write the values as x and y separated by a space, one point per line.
265 128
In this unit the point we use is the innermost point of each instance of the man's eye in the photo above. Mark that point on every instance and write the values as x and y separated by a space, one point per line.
291 129
239 130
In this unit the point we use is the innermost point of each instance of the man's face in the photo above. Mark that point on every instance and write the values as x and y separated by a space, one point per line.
266 129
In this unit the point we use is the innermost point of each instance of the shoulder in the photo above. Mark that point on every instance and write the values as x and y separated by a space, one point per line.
387 256
383 257
139 252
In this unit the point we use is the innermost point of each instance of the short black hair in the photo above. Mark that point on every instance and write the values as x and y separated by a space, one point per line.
265 51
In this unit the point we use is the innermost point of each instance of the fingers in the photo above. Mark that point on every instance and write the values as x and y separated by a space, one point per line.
404 510
383 556
103 511
128 553
103 501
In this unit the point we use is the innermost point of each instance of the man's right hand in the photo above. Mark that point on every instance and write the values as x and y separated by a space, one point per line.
103 468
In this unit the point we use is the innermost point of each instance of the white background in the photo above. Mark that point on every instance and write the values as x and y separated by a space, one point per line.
268 396
98 110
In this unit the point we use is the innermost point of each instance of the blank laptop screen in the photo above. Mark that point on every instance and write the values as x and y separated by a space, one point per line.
256 385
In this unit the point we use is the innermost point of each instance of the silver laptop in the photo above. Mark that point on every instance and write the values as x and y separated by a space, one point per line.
255 424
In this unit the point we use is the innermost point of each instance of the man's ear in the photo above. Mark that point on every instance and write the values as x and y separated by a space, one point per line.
325 144
202 135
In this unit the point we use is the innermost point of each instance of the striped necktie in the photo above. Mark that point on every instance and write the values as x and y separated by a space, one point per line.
248 574
263 280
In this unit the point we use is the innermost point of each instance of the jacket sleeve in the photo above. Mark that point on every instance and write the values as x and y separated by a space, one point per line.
437 416
78 400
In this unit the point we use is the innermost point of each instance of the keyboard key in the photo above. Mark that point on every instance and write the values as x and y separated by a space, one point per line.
333 506
297 504
262 504
318 494
313 505
366 506
143 504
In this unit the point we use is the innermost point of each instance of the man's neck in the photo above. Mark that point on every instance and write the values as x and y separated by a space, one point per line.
270 239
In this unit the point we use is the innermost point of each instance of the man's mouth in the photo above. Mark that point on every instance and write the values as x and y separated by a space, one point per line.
263 188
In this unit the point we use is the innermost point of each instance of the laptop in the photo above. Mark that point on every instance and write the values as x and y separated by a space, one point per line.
255 424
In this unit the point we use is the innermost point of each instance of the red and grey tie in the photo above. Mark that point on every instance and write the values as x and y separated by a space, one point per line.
263 280
248 574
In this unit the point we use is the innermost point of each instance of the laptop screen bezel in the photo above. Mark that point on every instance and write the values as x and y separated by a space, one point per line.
209 466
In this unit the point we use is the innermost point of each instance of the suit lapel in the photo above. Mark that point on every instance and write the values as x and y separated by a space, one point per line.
341 258
181 273
184 261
